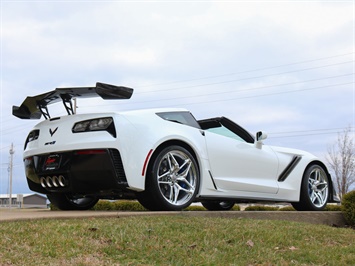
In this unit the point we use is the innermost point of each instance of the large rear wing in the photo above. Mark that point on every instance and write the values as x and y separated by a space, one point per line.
33 107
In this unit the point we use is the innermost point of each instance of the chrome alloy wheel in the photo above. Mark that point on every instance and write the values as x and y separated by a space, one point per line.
177 177
318 187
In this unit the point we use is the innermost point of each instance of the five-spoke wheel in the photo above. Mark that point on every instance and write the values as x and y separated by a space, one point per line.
172 180
314 190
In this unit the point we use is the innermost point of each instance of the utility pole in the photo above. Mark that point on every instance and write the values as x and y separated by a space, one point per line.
12 151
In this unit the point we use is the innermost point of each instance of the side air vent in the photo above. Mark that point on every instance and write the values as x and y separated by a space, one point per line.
117 161
289 168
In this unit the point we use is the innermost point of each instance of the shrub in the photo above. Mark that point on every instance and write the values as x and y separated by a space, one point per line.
103 205
119 205
195 208
348 207
53 207
287 209
236 208
261 208
128 205
333 208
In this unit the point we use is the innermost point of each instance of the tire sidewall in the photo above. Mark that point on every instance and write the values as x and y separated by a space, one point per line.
153 186
305 200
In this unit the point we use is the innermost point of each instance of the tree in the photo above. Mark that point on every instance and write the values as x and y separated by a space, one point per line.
341 160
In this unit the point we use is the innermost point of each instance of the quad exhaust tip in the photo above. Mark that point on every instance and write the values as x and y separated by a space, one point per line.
53 181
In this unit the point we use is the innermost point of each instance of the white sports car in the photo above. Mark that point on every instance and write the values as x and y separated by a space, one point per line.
165 158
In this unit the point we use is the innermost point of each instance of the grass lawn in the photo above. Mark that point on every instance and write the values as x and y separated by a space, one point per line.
173 240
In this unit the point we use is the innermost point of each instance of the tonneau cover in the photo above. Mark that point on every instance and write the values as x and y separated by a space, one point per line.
32 105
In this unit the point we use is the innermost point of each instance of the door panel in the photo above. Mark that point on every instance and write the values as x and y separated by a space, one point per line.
240 166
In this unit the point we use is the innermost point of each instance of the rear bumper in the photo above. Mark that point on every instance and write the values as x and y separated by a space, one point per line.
85 172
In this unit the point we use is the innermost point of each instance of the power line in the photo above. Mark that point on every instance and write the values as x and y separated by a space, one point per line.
243 79
235 91
228 81
300 133
235 98
255 77
309 130
8 147
230 99
11 129
246 71
269 94
303 135
250 89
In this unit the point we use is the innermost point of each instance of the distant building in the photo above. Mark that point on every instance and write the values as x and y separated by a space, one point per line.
23 201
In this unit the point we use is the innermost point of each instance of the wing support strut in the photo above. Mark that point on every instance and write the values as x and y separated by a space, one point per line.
44 111
68 104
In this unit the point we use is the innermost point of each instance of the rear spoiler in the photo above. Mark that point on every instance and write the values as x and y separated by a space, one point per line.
34 107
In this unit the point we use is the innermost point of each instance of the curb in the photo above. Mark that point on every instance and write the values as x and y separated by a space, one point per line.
335 218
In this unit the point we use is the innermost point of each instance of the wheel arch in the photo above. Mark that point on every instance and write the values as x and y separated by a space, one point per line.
168 143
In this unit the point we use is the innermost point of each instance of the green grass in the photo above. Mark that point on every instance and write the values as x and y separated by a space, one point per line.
173 240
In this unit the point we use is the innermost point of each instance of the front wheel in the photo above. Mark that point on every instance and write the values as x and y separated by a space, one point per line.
69 202
172 180
314 190
218 205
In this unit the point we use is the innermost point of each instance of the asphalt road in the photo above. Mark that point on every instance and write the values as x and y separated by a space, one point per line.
327 218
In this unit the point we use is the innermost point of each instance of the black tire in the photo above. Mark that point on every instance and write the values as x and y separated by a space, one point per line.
315 189
67 202
172 180
218 205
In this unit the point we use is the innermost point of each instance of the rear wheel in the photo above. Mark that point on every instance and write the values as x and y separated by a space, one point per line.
314 190
172 180
218 205
68 202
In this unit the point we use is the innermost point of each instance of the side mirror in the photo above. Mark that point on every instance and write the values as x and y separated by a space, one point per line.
259 137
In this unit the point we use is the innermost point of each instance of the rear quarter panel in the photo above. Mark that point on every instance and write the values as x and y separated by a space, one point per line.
148 132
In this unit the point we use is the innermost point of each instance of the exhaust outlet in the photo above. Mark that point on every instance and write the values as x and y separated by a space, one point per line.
53 181
43 182
49 181
61 180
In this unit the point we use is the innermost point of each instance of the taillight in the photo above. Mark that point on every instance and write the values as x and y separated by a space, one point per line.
90 152
99 124
34 134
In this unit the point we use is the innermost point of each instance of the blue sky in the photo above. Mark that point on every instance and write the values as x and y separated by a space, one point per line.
285 67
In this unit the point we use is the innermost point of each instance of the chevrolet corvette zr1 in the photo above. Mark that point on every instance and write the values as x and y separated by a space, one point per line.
165 158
